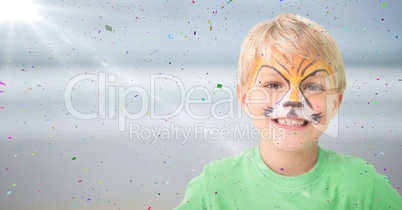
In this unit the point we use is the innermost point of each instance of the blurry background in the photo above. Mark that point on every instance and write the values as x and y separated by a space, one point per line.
50 159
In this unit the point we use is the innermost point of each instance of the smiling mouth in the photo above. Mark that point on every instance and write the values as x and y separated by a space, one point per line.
298 122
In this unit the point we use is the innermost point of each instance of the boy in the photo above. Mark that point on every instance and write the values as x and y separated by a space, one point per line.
291 79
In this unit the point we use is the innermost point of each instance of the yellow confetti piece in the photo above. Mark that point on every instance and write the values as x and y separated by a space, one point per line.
210 28
85 169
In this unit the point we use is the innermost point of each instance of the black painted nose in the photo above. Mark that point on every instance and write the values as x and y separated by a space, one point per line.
292 104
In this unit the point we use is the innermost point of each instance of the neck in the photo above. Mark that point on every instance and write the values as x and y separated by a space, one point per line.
289 163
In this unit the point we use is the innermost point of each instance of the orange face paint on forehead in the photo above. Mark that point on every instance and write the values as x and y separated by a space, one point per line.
293 72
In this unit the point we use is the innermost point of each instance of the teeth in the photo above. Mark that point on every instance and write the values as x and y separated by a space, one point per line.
290 122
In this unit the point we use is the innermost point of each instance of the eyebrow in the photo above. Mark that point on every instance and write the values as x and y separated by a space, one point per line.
316 71
273 68
313 73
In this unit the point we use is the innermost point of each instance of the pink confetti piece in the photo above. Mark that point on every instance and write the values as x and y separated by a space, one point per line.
10 137
2 83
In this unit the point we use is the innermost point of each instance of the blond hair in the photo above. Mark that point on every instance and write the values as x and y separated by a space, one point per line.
293 36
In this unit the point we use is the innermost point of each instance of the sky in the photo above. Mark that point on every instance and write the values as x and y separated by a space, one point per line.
75 33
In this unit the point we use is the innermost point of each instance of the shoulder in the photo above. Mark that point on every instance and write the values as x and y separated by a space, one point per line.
348 163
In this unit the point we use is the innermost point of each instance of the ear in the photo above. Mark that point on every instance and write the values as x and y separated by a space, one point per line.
337 104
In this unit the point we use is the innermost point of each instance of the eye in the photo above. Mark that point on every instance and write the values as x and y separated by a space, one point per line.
313 87
274 86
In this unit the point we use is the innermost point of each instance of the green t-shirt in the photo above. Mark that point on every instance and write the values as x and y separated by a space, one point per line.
244 182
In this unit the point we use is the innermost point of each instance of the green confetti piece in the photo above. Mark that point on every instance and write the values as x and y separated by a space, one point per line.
219 86
109 28
9 192
73 158
202 99
295 133
375 102
383 5
13 185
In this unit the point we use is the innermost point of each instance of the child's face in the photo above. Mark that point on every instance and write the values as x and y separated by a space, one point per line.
291 103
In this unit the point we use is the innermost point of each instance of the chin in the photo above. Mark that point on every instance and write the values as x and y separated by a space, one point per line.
290 137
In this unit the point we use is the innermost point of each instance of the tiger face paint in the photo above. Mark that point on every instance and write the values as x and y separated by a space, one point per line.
291 94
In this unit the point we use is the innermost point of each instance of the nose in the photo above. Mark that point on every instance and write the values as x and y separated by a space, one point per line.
294 94
292 104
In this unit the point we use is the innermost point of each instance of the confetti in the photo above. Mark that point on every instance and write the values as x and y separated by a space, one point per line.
374 102
9 192
10 137
109 28
219 86
73 158
2 83
383 5
202 99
